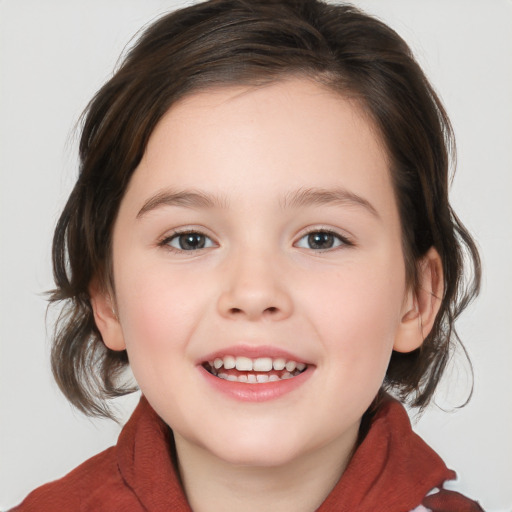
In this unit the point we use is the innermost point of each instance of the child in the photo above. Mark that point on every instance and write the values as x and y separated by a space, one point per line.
261 228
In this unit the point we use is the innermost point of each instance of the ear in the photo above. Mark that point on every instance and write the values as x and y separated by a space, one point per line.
422 304
105 316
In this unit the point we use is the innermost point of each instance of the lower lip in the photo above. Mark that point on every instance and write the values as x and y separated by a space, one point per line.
263 392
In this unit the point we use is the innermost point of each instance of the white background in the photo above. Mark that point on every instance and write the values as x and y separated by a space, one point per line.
56 54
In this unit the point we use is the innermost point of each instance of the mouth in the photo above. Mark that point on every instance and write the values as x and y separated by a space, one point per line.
254 371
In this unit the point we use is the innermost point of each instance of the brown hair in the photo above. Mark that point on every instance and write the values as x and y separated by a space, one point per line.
222 42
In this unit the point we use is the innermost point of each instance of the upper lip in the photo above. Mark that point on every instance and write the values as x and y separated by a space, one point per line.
253 352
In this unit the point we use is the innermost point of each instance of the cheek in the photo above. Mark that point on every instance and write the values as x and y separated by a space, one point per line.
157 309
360 313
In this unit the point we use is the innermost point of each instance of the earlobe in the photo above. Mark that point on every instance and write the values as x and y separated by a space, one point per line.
422 304
106 318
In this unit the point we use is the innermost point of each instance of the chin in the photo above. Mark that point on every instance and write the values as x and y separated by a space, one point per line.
263 450
256 457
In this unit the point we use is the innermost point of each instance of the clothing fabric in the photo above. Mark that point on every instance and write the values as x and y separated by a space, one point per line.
392 470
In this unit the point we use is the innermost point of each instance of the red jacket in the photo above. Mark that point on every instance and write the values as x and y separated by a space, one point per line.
391 471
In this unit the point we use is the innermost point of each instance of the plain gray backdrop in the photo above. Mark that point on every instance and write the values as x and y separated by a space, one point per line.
55 54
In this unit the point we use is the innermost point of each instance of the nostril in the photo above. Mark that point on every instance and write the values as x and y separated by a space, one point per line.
270 311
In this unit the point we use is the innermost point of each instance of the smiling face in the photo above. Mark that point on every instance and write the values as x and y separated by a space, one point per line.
259 231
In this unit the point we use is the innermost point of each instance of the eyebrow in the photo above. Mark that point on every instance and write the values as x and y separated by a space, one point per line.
184 198
320 196
299 198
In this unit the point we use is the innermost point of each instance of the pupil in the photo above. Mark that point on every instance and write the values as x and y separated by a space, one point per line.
191 241
320 240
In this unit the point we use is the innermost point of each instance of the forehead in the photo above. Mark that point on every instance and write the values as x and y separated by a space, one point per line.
289 134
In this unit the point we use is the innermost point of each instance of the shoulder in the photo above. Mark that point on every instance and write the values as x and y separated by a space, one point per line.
118 479
94 485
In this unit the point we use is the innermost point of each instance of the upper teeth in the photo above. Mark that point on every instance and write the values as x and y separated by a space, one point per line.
260 364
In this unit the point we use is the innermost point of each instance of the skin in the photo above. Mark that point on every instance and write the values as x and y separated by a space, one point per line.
257 283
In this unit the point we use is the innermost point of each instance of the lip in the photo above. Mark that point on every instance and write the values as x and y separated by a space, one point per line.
263 392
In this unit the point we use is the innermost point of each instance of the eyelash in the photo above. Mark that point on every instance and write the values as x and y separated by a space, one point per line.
343 240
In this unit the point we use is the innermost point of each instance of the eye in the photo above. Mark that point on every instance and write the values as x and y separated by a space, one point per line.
189 241
321 240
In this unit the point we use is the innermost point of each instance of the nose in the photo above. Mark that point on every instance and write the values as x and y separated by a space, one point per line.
254 289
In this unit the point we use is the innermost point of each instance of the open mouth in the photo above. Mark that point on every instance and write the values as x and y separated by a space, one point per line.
254 371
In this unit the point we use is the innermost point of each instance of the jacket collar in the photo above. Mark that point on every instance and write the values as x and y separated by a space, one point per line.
393 468
145 453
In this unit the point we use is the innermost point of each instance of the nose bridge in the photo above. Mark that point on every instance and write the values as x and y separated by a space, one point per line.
254 287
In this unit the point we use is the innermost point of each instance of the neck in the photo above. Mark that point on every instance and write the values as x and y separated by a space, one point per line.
214 485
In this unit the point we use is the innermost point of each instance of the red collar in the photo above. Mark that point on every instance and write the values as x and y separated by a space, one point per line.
145 451
392 470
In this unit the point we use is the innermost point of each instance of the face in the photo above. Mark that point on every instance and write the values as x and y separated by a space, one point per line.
260 231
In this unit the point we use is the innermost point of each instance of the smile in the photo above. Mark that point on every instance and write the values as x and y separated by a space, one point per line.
254 371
